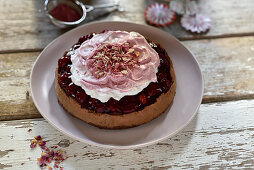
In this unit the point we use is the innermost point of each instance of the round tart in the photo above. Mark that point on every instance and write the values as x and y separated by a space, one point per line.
115 80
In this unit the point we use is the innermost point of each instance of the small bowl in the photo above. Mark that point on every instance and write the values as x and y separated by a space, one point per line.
76 5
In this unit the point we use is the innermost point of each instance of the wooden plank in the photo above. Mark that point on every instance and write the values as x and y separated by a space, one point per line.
219 137
24 25
15 98
226 64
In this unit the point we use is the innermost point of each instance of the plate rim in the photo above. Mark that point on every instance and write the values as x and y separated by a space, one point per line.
135 146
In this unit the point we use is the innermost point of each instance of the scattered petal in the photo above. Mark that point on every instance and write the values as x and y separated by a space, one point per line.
54 147
38 137
33 143
48 155
41 143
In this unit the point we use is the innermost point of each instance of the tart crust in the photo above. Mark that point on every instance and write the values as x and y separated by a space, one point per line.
109 121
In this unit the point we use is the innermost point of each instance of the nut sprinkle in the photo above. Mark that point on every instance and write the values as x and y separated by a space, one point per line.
113 58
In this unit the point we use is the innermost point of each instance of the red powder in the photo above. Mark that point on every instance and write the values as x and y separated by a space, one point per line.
65 13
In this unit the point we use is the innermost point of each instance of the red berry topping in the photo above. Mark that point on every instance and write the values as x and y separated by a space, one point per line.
160 76
165 85
104 31
129 108
153 90
67 68
76 46
64 79
112 104
71 89
89 36
101 108
142 98
82 39
64 61
112 108
81 97
93 102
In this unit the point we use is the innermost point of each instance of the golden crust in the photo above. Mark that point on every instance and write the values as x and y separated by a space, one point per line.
108 121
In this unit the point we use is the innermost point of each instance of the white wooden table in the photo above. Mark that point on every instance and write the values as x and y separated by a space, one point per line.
221 136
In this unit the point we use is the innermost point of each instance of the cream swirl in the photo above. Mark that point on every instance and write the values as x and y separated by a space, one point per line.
114 64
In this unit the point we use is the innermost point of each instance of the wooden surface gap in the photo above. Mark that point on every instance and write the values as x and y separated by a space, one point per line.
18 117
202 37
218 99
21 51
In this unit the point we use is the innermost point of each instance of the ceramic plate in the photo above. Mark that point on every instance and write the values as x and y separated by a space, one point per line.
188 96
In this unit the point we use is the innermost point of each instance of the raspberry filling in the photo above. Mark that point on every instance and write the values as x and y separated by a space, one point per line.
100 66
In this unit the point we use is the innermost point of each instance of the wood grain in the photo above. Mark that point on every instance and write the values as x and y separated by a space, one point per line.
25 27
214 139
227 66
15 98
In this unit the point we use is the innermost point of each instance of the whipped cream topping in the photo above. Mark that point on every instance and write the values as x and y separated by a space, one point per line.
114 64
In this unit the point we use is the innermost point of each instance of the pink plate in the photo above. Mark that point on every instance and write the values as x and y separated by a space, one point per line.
188 97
